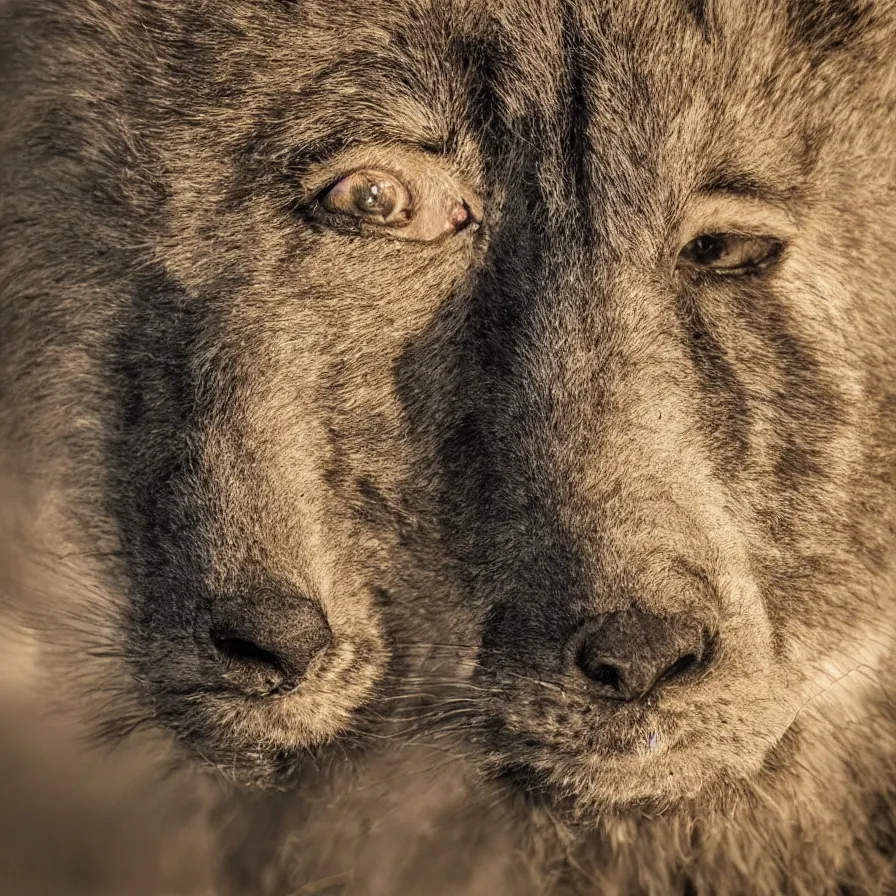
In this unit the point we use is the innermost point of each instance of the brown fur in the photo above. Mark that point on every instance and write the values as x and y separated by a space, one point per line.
471 452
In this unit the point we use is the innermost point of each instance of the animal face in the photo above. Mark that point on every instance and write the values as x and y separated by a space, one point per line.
296 260
233 277
664 407
562 331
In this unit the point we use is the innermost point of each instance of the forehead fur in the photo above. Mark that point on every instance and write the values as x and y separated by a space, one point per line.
619 83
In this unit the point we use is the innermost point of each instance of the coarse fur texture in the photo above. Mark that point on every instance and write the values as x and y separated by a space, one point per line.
633 514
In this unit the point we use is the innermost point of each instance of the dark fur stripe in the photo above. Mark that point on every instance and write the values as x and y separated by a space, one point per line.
702 13
576 147
727 412
826 26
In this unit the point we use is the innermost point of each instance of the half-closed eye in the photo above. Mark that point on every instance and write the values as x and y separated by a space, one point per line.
730 253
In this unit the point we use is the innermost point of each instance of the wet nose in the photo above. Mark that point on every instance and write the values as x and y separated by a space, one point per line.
628 655
266 645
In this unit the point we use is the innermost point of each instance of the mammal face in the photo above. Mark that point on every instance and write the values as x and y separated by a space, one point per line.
666 419
581 317
235 247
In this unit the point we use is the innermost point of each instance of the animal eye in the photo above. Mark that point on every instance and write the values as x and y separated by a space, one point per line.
370 196
373 202
730 253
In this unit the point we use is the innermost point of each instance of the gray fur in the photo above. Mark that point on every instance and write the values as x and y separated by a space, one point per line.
466 452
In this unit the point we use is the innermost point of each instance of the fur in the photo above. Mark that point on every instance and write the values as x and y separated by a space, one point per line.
471 451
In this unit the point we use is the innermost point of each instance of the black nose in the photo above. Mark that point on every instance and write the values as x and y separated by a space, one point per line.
628 655
266 644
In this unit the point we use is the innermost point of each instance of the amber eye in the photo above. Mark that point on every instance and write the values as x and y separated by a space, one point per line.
371 196
730 253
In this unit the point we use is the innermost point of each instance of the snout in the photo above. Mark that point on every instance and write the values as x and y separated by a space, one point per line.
268 646
630 655
254 676
649 703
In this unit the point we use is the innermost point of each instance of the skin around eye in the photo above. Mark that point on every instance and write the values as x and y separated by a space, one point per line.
730 253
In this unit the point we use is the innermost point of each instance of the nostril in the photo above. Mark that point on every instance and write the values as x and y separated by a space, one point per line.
680 667
242 651
606 675
265 649
249 667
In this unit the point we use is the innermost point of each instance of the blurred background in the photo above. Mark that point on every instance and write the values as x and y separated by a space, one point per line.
77 817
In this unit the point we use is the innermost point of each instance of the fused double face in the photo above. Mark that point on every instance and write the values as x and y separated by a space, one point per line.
561 331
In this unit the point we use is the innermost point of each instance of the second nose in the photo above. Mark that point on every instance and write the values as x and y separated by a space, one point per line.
267 645
627 655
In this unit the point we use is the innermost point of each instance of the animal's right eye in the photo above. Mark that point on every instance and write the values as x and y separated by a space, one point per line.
422 205
730 253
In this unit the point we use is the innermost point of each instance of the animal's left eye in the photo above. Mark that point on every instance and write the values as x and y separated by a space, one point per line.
371 196
730 253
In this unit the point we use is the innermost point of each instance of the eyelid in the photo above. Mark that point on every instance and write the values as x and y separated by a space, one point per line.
737 216
397 161
413 165
436 192
771 249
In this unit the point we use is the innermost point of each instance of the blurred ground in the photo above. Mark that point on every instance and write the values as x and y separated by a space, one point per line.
75 819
